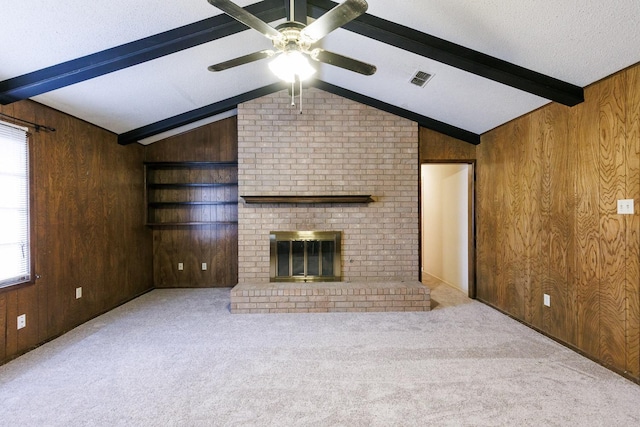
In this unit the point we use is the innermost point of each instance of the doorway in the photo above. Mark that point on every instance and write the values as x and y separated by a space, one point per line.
447 227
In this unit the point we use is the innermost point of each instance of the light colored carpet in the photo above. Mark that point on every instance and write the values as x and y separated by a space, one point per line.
179 358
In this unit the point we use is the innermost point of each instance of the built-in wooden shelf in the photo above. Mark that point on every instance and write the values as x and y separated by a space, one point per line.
191 185
308 199
170 204
190 165
192 223
191 193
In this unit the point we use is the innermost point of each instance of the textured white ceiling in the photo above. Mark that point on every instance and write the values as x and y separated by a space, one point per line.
578 41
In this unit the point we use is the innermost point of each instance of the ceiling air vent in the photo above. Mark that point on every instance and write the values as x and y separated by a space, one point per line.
420 78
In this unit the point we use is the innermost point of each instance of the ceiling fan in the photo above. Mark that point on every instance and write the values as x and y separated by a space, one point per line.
294 42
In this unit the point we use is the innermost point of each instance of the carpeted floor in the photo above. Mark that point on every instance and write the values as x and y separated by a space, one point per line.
179 358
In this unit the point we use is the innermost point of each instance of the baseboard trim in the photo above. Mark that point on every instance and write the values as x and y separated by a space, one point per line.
571 347
27 350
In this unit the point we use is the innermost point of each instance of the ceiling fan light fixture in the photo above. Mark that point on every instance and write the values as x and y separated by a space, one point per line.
291 64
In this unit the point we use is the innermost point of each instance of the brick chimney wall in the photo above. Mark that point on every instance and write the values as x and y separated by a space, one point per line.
335 147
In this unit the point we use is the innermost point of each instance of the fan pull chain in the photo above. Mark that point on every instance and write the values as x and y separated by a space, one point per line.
293 94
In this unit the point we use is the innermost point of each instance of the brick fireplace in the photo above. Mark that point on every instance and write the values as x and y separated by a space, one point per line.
336 147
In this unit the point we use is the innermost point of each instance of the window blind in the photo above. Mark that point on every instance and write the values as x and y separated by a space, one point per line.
15 248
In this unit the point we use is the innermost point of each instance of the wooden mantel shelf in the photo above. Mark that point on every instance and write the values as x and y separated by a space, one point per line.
308 199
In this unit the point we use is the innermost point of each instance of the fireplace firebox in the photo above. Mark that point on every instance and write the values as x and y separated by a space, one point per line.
305 256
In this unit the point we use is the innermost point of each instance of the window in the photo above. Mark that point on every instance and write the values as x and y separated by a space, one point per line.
15 248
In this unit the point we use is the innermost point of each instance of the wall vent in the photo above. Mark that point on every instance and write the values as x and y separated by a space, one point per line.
420 78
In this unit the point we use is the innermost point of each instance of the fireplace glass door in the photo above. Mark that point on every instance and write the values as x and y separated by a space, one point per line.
305 256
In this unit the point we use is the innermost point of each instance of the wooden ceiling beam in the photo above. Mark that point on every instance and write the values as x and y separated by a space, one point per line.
201 113
424 121
123 56
133 53
189 117
456 56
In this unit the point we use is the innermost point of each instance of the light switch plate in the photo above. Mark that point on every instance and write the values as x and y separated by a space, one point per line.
204 266
625 207
547 300
180 266
22 321
79 293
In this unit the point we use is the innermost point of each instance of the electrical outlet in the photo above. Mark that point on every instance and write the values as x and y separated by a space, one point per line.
79 292
22 321
180 266
204 266
625 207
547 300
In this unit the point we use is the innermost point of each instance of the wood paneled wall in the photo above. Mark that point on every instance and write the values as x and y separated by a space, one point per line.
439 147
87 220
546 198
217 245
547 191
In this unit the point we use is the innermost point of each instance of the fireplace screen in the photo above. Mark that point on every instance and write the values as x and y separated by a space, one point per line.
305 256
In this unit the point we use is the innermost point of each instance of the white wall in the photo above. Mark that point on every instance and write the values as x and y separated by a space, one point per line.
445 223
432 219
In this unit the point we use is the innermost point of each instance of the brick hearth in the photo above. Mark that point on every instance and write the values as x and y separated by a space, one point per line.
324 297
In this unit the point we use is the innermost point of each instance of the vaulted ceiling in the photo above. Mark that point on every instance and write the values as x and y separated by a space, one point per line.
139 68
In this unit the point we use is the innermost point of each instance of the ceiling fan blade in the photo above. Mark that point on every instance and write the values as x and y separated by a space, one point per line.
343 62
241 60
251 21
335 18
